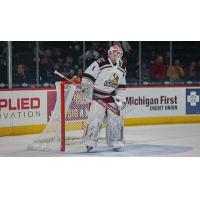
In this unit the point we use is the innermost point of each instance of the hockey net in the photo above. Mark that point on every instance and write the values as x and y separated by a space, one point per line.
67 121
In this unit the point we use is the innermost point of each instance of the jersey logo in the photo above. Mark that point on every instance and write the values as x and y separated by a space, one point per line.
113 82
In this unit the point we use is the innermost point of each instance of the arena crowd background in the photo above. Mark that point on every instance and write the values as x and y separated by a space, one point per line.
31 64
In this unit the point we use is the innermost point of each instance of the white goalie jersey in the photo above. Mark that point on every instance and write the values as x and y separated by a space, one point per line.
102 79
104 84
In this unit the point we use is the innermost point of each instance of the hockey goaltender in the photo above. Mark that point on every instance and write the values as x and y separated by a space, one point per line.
104 85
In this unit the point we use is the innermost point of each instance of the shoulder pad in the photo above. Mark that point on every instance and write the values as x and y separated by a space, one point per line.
101 60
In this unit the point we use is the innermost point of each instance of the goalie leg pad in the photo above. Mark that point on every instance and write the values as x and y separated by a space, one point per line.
95 119
115 130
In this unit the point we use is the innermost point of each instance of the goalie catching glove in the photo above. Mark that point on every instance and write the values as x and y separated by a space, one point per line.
120 101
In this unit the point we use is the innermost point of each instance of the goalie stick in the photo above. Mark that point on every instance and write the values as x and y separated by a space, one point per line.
104 104
126 110
62 76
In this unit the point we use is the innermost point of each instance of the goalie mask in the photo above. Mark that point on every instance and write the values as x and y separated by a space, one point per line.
115 53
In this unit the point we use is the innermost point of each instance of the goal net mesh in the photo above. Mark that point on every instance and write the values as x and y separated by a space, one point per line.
67 121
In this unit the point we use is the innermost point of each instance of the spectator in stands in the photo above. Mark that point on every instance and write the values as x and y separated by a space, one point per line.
159 70
176 73
102 52
3 65
49 54
64 71
91 55
57 54
56 66
60 60
198 71
192 71
78 76
67 72
145 71
21 76
79 63
132 71
186 72
54 77
67 67
68 61
3 75
77 52
166 58
44 69
80 72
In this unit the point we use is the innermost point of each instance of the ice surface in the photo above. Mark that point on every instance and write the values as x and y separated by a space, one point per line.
160 140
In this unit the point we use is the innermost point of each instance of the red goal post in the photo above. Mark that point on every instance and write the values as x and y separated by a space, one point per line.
64 100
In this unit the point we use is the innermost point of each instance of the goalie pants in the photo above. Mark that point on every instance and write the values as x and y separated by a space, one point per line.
114 130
